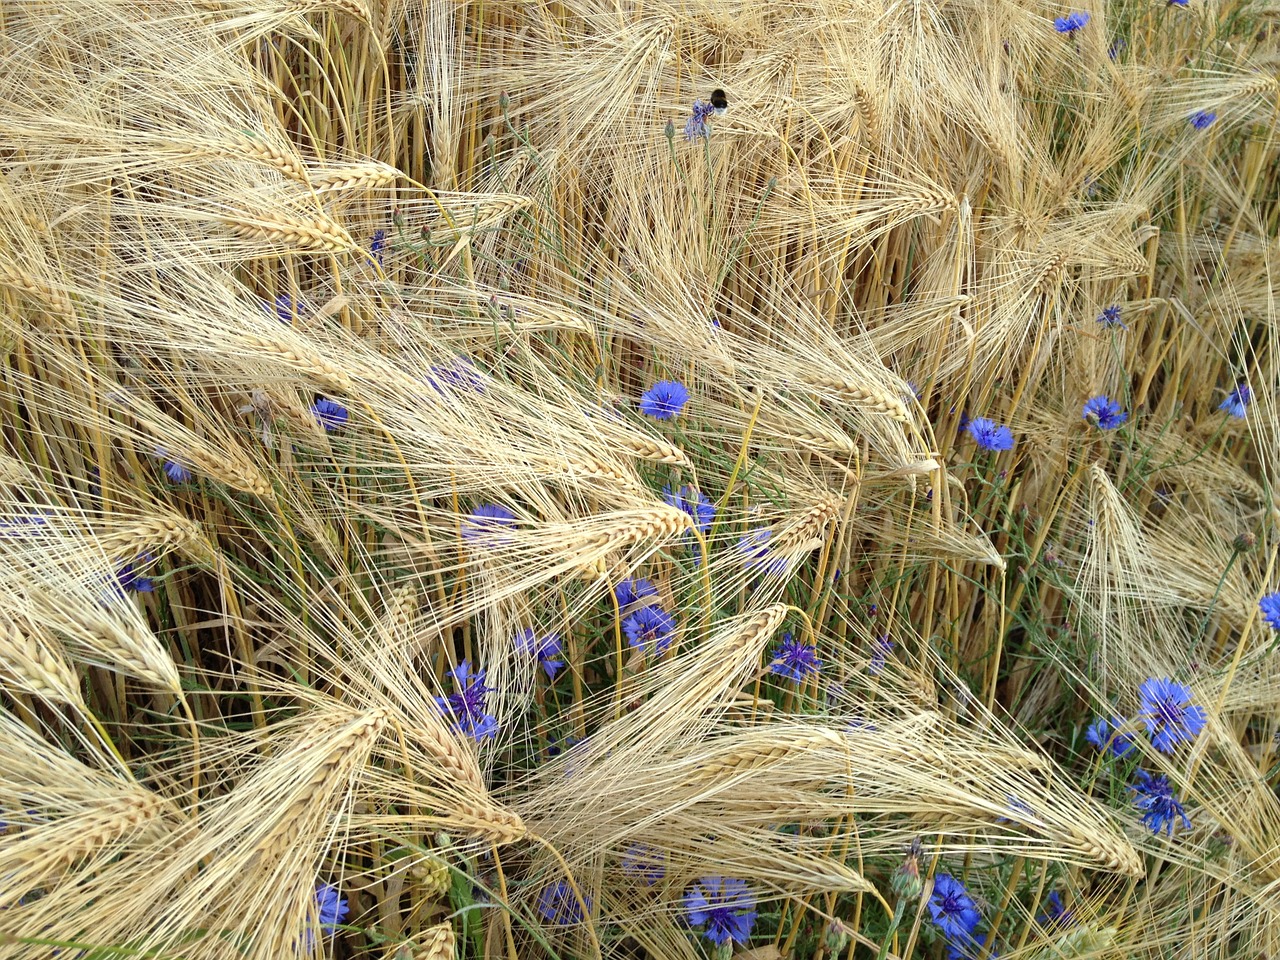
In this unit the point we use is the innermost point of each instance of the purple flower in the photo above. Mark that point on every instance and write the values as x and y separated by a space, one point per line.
696 125
1099 733
546 648
726 905
1104 413
559 905
795 659
664 400
460 373
331 907
880 655
1055 914
1071 22
285 308
466 707
1270 607
1237 400
329 414
1161 810
698 507
642 861
174 470
1110 317
649 626
378 244
1169 714
128 578
990 435
630 591
1202 118
757 556
952 909
485 523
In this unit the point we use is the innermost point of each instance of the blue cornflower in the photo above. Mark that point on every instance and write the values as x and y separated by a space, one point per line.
1237 400
649 626
1110 317
879 655
175 471
1202 118
1103 413
1099 733
758 556
692 502
1117 45
1161 810
631 591
696 125
1055 914
642 861
952 909
546 648
664 400
1176 3
969 947
557 904
1270 607
378 244
459 373
1071 22
285 308
990 435
486 521
331 907
128 578
726 905
329 414
795 659
466 707
1169 714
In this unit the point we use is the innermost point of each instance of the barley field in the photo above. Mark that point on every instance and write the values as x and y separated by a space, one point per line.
658 479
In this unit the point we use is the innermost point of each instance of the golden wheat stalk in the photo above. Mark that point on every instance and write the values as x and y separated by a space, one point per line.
316 235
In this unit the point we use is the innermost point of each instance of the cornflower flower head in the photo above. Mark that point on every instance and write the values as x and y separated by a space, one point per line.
1169 714
378 244
285 308
559 905
1270 607
1176 3
952 909
649 626
990 435
1055 914
692 502
696 125
880 651
331 907
1161 810
1237 400
1202 118
128 578
486 522
1071 22
795 659
329 414
546 648
460 373
664 400
466 707
631 591
643 862
906 882
1110 317
1099 733
725 904
756 552
173 470
1103 413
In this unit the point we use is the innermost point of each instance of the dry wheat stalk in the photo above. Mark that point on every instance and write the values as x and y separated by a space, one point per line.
874 399
33 664
318 234
488 821
50 299
654 450
287 163
313 365
352 8
362 176
437 943
159 532
123 643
